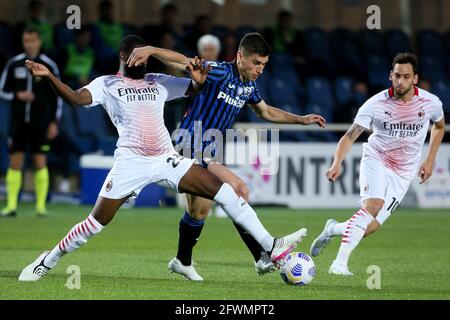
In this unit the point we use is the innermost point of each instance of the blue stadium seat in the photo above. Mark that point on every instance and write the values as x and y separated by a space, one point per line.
432 68
63 35
371 41
6 44
442 90
318 51
4 118
346 51
242 30
318 91
4 160
343 90
281 62
327 113
396 41
430 42
377 71
91 122
220 31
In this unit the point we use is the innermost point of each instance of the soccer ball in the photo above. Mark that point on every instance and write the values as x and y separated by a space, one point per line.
297 268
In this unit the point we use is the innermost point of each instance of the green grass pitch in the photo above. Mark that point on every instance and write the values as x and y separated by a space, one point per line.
128 260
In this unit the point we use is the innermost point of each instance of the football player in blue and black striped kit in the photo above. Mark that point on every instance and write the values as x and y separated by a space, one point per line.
228 88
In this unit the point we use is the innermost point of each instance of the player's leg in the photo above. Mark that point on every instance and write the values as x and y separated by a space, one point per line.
190 228
14 174
262 261
198 181
41 182
373 181
102 213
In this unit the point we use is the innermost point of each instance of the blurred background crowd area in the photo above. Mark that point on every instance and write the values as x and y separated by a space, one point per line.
325 60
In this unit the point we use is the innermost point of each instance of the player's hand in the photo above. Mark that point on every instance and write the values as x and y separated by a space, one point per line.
314 118
52 131
198 70
139 56
425 171
334 172
25 96
37 69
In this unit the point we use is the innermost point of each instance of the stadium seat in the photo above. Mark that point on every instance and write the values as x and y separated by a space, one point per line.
377 72
430 43
281 62
4 118
371 41
318 91
442 90
63 35
432 68
91 122
343 90
346 51
396 41
220 31
242 30
318 51
327 113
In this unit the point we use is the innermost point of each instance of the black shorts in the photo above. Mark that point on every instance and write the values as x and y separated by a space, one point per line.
24 134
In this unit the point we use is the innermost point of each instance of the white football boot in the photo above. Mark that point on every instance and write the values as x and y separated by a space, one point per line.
35 270
323 239
339 269
189 272
283 246
264 265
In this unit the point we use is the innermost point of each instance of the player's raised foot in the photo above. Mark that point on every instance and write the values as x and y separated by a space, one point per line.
283 246
323 239
188 272
264 265
35 270
339 269
8 213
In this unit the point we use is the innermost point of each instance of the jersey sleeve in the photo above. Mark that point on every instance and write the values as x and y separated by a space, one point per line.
176 87
217 73
438 111
6 83
98 91
255 97
364 117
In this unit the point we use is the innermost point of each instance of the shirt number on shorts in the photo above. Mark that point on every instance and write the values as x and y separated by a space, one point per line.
393 205
175 160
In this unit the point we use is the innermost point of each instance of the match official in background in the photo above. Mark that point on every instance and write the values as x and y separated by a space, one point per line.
35 109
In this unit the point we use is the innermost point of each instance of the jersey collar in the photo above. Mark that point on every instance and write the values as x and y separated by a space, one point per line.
391 91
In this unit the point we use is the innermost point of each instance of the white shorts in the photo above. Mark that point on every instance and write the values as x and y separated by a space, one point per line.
377 181
131 173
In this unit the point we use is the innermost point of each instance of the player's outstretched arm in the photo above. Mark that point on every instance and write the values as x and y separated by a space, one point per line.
272 114
171 58
79 97
436 136
343 147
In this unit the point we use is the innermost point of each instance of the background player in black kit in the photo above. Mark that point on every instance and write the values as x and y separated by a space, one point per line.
35 109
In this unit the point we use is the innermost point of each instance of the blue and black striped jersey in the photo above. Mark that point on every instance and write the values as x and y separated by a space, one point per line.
220 100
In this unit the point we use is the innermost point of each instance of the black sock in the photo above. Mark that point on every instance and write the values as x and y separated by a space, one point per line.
253 245
189 230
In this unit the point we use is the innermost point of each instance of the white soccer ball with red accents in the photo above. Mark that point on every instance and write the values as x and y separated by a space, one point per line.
298 269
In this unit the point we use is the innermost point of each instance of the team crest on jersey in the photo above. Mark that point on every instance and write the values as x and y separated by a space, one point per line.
366 188
421 113
109 186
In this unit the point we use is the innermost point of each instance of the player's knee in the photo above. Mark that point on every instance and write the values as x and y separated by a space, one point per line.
373 206
199 213
241 189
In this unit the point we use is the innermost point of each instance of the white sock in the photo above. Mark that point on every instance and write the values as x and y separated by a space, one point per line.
241 213
338 229
355 229
76 237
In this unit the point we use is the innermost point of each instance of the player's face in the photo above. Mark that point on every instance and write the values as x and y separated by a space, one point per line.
31 43
209 52
252 66
403 79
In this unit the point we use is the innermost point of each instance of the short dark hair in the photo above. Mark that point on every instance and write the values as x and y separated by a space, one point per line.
31 30
254 42
33 4
406 57
128 43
